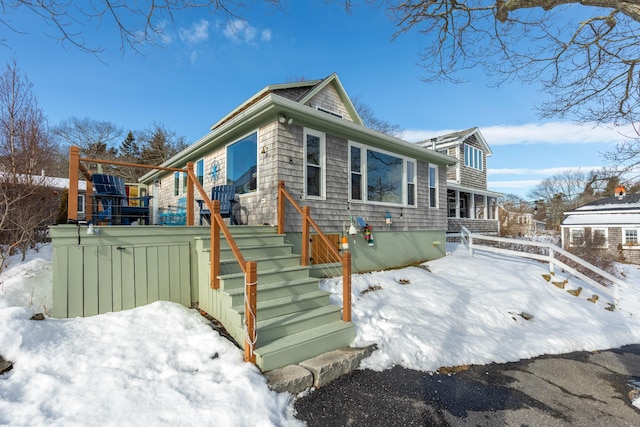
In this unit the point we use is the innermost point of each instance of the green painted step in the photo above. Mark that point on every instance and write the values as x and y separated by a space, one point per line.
304 345
272 290
277 327
263 264
248 240
280 306
236 280
256 252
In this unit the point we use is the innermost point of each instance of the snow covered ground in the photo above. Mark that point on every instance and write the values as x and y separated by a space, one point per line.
163 365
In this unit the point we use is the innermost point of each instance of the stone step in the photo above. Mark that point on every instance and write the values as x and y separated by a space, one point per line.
304 345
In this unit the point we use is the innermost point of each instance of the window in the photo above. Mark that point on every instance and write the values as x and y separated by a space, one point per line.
599 236
314 157
411 183
630 237
81 203
200 171
433 186
176 183
389 179
184 183
242 164
576 236
356 173
473 157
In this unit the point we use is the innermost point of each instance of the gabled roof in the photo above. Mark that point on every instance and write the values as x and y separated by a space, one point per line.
456 138
300 92
613 203
606 211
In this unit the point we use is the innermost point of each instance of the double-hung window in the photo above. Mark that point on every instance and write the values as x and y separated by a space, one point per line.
242 164
599 236
176 183
576 236
381 177
314 159
630 236
433 186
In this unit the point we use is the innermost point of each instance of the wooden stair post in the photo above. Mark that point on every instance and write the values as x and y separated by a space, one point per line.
250 311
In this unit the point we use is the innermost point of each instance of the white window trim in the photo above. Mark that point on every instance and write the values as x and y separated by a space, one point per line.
435 168
473 156
625 245
606 235
81 205
323 162
571 230
226 165
176 192
204 171
361 173
364 177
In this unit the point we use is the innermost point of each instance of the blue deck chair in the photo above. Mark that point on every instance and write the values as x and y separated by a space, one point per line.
226 194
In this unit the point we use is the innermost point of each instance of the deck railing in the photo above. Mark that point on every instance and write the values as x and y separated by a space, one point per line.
307 222
546 252
217 225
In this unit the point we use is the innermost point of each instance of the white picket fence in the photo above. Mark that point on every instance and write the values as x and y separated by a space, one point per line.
548 253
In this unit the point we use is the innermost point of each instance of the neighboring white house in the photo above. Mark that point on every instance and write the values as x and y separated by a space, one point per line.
615 218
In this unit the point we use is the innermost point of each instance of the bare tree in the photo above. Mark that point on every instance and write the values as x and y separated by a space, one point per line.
557 194
137 23
585 53
96 139
371 121
25 144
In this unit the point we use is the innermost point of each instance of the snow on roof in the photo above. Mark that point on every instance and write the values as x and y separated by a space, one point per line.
632 219
628 202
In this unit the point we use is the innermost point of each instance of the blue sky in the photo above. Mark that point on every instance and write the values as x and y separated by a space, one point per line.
209 66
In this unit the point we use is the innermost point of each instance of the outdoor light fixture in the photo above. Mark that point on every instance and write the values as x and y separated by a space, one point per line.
284 119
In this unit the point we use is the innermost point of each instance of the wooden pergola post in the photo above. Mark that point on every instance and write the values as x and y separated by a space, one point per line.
74 169
190 194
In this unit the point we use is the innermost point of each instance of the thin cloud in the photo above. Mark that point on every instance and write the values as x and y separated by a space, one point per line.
514 184
240 31
539 133
544 171
265 36
198 32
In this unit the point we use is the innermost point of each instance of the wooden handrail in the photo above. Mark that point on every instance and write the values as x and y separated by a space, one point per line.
249 268
307 221
217 225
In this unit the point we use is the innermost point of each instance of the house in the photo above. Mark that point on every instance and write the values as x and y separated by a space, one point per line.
469 202
614 223
298 156
309 135
519 223
56 184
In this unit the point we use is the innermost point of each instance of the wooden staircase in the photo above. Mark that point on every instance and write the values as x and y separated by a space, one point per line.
295 320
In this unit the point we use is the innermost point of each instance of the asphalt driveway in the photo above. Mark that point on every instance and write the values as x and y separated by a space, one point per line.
577 389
